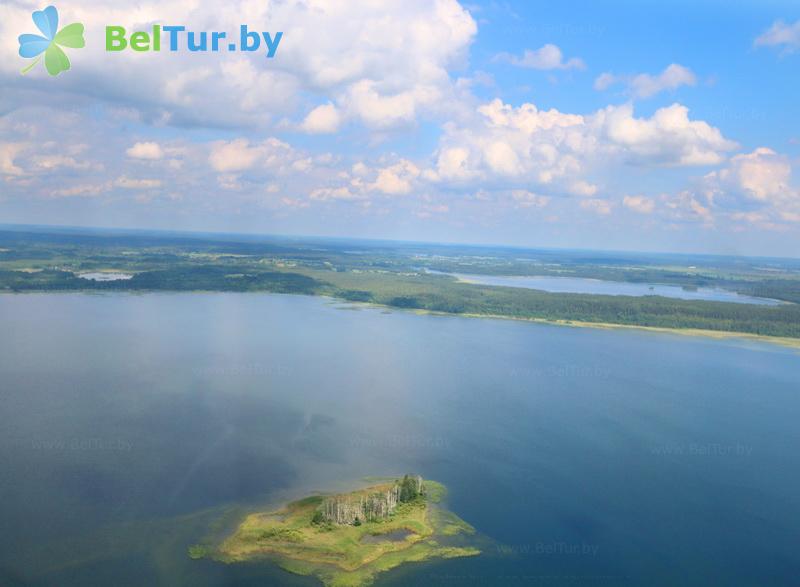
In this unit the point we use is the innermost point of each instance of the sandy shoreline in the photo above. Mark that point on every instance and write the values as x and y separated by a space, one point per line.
793 343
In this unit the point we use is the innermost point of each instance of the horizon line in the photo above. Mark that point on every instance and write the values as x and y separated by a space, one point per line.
77 228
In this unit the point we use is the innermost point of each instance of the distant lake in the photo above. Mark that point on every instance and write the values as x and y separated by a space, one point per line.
132 422
613 288
105 276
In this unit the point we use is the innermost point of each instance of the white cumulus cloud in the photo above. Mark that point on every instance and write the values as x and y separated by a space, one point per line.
598 206
640 204
555 150
547 57
322 119
146 150
137 184
240 154
761 176
527 199
396 179
372 58
644 85
8 153
781 34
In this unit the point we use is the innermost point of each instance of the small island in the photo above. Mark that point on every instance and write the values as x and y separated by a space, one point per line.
345 540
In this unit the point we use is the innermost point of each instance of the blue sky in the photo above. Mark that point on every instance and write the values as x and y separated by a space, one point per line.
663 126
739 85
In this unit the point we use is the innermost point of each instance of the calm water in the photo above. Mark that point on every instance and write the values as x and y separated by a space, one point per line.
591 457
614 288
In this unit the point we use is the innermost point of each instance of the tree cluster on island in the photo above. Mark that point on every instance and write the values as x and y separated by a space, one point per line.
356 509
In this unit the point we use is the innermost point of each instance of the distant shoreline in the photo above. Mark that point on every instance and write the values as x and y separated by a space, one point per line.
784 341
793 343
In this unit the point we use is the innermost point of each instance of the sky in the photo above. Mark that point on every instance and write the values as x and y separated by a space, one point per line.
622 125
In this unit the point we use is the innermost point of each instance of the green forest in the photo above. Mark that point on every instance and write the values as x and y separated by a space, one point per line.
396 275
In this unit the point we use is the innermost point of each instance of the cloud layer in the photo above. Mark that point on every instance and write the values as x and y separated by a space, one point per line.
373 117
382 64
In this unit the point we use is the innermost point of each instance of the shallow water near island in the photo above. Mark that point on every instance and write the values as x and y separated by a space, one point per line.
132 422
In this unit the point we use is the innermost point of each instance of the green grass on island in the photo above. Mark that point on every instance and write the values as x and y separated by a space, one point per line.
302 539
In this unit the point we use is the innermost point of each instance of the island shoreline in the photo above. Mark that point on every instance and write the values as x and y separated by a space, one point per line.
337 538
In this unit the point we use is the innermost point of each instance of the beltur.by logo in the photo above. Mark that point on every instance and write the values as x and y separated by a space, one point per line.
51 41
179 38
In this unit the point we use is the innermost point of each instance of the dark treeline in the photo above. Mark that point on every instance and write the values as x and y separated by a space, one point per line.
393 275
197 278
782 320
455 298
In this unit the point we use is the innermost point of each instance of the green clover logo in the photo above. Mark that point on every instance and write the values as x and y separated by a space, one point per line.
55 60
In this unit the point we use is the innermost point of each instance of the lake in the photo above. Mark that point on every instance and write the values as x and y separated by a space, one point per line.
132 423
613 288
105 276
